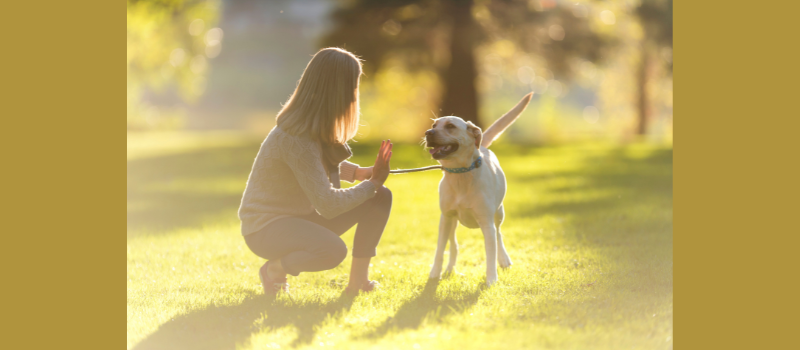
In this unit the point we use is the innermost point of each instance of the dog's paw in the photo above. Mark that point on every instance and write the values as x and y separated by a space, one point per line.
504 261
490 281
435 274
450 272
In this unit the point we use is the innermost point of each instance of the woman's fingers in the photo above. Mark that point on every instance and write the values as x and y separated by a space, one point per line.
384 153
380 151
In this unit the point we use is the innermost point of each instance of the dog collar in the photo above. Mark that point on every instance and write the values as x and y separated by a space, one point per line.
475 164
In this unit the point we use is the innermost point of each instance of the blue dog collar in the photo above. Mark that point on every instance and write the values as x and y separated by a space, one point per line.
475 164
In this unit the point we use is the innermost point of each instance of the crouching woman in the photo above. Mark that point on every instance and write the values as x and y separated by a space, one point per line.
293 209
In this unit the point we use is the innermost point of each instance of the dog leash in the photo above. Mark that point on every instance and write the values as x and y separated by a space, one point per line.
476 164
402 171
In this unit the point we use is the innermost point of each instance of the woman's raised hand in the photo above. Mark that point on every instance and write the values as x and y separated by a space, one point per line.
380 171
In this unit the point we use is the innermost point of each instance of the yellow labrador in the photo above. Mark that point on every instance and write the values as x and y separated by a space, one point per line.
473 187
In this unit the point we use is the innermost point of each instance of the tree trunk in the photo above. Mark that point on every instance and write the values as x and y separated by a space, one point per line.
643 102
460 95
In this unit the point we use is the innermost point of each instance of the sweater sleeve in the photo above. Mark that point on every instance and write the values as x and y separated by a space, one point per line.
347 171
305 160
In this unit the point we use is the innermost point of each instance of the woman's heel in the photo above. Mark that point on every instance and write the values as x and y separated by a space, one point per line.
272 287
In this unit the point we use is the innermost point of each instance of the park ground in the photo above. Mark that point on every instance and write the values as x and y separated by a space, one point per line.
588 227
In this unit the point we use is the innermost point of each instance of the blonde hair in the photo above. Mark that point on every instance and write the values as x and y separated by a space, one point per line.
325 104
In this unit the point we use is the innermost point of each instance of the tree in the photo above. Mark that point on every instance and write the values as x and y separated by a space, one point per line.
168 44
655 17
443 35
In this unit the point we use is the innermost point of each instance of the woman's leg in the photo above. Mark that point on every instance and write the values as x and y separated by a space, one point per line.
371 217
295 245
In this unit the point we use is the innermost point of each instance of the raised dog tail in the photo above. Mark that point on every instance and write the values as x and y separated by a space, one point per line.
500 125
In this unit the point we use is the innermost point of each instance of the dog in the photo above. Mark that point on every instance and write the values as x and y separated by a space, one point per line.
473 186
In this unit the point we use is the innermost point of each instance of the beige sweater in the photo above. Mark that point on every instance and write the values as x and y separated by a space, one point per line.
288 179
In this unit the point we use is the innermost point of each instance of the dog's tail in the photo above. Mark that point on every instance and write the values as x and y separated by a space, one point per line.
500 125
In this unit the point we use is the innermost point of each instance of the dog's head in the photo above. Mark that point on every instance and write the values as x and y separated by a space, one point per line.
451 136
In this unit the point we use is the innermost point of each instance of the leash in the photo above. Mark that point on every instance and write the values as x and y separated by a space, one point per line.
476 164
402 171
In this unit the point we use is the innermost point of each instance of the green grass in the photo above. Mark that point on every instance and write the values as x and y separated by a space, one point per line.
589 228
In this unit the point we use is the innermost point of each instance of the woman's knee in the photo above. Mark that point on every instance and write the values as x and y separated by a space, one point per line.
335 253
383 195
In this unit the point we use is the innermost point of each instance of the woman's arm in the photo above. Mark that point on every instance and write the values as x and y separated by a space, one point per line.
351 172
305 159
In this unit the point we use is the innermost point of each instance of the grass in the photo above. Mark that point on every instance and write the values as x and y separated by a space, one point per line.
589 228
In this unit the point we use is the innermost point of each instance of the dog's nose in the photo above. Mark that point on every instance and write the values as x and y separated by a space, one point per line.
429 132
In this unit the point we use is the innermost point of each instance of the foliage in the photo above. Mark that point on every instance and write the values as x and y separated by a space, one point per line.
589 228
169 43
443 36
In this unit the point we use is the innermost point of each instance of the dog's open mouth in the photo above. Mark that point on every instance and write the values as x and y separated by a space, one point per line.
440 151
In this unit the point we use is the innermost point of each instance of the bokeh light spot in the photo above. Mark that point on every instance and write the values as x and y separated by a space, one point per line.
391 27
176 57
504 48
213 36
525 75
555 88
196 27
608 17
556 32
580 10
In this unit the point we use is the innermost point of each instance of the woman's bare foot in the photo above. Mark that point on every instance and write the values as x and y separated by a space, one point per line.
273 284
359 277
275 270
367 287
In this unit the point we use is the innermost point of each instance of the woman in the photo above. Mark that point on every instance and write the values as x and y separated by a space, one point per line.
293 209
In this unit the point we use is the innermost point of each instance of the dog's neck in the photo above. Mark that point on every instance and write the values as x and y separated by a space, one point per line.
462 160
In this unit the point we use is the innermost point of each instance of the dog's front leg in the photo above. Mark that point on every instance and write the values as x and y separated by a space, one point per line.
451 234
447 226
490 242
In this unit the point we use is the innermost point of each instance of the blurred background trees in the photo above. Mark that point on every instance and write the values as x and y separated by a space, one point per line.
411 28
600 69
169 44
655 17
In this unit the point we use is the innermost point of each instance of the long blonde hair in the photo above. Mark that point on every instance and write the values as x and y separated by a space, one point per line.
325 103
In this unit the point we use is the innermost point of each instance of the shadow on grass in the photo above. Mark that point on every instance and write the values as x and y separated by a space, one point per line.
411 314
225 327
187 189
629 183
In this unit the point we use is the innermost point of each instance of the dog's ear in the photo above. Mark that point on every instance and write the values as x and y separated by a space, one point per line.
476 133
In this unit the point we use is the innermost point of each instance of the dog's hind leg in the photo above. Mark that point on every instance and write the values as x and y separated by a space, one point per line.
447 227
490 243
502 255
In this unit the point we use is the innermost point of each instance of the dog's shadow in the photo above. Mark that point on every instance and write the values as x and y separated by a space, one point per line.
226 327
427 305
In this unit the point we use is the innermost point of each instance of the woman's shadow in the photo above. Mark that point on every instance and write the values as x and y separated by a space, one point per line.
225 327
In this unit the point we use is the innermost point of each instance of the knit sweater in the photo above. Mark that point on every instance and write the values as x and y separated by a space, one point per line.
288 179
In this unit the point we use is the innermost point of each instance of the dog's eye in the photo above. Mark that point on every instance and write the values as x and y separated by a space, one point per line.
450 126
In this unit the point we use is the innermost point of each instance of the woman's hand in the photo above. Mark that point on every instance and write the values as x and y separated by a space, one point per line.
363 173
380 171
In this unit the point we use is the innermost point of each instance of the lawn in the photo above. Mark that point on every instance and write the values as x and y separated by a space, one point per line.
588 226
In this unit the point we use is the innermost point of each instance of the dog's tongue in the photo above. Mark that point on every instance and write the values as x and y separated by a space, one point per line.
435 149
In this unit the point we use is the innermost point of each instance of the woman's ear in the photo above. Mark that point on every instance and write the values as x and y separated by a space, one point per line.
476 133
